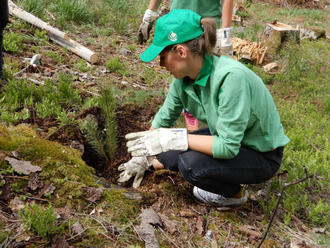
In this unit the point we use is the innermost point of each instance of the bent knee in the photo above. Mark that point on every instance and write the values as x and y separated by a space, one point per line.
187 165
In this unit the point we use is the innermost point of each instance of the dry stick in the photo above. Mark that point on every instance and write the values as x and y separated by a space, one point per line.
169 239
278 203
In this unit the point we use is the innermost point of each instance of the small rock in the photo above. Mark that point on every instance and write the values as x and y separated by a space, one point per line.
125 52
16 204
208 236
321 230
35 60
77 228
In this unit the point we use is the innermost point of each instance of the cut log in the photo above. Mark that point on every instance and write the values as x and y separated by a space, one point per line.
76 48
55 34
287 32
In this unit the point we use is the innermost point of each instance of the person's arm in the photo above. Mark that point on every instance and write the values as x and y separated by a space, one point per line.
227 13
200 143
154 5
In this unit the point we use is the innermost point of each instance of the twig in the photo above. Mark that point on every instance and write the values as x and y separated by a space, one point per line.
278 203
135 231
309 142
19 72
78 234
171 180
35 198
169 239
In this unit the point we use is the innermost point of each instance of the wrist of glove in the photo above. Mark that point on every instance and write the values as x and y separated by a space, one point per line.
150 16
146 25
224 42
153 142
136 168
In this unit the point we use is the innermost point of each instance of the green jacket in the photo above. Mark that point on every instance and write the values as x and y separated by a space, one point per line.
233 101
205 8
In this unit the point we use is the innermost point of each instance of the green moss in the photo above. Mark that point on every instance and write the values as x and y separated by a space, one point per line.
60 165
122 209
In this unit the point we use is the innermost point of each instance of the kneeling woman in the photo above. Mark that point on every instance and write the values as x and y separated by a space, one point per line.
244 141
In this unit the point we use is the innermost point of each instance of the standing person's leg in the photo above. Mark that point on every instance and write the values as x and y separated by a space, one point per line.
3 23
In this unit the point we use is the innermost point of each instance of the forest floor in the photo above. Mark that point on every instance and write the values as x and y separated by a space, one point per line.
68 195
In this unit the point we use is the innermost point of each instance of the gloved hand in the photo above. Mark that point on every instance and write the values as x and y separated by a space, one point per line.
153 142
146 25
134 168
224 43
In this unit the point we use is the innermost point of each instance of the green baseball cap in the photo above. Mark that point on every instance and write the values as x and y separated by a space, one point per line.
178 26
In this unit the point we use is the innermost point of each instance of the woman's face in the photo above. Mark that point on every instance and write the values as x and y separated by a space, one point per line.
174 62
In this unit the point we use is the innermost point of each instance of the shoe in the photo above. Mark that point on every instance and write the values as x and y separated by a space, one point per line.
219 200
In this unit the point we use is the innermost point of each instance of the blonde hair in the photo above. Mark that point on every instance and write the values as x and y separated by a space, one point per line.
206 42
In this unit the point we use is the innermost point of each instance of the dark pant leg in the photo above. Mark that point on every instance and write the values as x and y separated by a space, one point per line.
3 23
224 176
1 55
170 159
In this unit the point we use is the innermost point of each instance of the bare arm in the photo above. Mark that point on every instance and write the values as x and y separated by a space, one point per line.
154 4
200 143
227 13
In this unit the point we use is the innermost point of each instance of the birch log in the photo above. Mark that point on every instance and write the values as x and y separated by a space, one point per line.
55 34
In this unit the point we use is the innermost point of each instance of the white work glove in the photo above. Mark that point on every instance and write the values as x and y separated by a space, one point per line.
149 143
224 44
146 25
134 168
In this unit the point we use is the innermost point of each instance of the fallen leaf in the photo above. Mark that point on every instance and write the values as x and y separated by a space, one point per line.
77 228
149 216
187 213
21 166
35 182
59 242
147 233
16 204
200 225
94 194
49 188
250 231
170 225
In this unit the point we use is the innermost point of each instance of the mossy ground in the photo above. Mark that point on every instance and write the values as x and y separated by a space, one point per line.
300 92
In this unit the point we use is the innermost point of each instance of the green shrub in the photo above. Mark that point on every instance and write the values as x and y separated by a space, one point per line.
40 220
82 66
115 65
57 58
12 42
41 37
320 214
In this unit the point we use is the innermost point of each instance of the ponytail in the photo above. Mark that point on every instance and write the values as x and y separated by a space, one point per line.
206 42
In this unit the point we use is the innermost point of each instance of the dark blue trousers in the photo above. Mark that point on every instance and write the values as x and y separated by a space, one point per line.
223 176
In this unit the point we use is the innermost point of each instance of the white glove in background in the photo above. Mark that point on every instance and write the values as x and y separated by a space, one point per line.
224 42
134 168
153 142
146 25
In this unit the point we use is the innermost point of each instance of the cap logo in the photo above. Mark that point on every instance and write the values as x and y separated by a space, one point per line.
172 36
